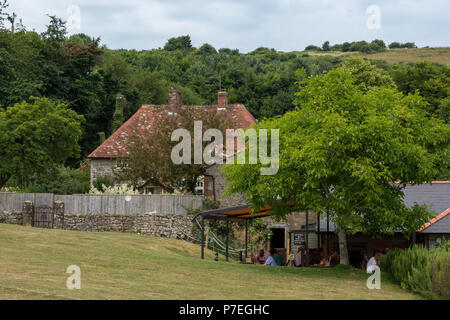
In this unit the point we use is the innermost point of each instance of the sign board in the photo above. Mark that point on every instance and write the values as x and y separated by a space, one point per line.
299 239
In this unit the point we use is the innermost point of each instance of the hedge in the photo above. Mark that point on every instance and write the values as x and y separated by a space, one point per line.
424 271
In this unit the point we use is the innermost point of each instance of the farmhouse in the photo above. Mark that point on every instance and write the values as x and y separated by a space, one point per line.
106 158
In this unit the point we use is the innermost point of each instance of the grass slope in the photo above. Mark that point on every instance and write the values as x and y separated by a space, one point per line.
129 266
439 55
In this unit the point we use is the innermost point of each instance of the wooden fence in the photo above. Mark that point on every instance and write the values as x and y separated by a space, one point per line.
111 204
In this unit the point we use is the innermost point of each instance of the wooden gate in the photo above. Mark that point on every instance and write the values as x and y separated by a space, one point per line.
43 217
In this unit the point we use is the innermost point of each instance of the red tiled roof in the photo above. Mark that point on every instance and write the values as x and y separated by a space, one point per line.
434 220
141 123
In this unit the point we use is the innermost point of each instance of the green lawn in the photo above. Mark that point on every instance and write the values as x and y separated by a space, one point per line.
33 263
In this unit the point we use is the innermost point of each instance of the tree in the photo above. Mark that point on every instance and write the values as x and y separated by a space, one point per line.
207 49
367 75
312 48
179 43
349 153
326 46
36 137
395 45
150 159
431 80
118 116
377 46
3 16
56 29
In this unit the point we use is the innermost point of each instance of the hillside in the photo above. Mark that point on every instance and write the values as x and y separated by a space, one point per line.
33 263
439 55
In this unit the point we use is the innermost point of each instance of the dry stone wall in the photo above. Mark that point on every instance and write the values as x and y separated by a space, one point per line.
168 225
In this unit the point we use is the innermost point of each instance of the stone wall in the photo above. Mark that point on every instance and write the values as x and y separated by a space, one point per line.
11 217
176 226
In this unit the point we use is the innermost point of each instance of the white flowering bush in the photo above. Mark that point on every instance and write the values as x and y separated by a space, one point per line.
122 189
11 189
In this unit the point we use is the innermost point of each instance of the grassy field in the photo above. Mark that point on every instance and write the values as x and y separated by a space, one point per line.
440 55
33 263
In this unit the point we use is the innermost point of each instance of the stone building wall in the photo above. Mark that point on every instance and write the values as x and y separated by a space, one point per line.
102 168
220 186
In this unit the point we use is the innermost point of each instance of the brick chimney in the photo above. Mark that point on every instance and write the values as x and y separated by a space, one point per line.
222 99
174 99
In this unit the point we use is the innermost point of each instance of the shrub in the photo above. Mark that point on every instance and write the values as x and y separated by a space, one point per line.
103 182
312 48
423 271
59 180
122 189
440 273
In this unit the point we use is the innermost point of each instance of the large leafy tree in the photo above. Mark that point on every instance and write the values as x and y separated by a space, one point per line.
350 153
36 137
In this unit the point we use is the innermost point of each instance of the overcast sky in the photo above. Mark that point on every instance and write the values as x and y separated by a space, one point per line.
285 25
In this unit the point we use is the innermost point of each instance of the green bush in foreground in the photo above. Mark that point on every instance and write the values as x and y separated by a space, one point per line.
423 271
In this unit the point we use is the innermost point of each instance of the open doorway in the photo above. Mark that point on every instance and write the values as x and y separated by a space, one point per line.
277 240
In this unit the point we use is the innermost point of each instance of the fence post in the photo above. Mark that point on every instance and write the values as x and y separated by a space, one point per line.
27 213
58 215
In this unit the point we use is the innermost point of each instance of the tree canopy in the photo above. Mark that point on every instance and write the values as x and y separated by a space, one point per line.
37 137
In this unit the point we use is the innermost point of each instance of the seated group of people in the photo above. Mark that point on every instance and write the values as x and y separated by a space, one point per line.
271 259
315 257
318 257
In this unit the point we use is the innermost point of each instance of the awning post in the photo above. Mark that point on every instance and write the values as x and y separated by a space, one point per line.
228 231
246 240
306 230
318 230
306 238
328 234
203 238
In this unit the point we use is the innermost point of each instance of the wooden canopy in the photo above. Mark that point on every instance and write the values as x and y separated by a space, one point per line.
241 213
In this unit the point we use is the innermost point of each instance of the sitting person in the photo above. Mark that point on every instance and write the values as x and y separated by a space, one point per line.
364 262
315 257
271 259
250 257
323 253
373 261
277 257
334 257
260 258
298 257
